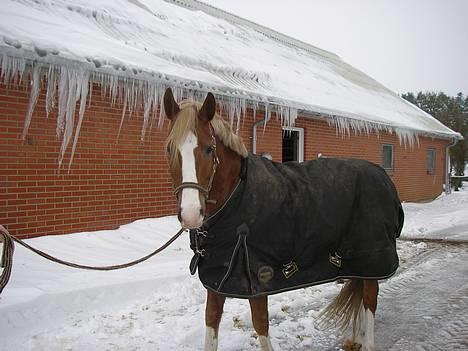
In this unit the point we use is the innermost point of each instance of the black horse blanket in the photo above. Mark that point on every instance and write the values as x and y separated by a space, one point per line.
292 225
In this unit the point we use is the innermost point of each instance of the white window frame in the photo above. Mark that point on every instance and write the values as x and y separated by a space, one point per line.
433 151
300 152
393 157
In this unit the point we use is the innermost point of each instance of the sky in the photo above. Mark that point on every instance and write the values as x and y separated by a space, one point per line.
417 45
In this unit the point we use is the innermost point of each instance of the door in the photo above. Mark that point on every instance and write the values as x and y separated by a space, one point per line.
293 144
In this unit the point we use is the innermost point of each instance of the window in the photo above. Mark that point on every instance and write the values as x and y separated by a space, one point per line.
430 160
387 156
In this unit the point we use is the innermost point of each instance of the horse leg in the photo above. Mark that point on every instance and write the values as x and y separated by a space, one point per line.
213 313
259 310
363 331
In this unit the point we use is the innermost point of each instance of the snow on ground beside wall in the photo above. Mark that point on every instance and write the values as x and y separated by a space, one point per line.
444 218
157 305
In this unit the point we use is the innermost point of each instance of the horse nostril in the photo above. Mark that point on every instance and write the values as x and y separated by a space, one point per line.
202 212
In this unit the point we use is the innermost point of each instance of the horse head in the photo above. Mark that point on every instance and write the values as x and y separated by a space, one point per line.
191 147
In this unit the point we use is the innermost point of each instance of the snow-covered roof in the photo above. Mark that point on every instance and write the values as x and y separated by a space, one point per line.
136 48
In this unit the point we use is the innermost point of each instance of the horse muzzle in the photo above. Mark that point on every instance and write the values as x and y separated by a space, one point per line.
191 217
192 205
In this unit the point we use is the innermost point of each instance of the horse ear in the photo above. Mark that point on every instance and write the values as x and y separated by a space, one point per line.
170 105
208 109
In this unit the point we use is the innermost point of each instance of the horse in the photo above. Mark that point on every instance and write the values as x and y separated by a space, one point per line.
258 227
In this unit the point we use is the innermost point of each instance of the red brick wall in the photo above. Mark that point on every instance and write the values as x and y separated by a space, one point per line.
111 182
410 174
117 181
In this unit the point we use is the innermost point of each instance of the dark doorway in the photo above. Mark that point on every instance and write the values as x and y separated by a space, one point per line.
290 145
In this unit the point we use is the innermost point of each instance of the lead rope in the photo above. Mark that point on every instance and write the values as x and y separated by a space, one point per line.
8 248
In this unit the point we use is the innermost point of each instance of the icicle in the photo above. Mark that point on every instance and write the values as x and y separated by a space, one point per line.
239 113
12 69
278 115
35 90
51 89
68 83
254 110
221 106
291 116
70 106
147 109
161 109
157 96
83 93
231 112
62 101
267 116
286 115
114 89
346 126
124 108
407 137
90 91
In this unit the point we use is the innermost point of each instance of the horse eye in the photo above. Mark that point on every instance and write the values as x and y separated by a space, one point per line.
209 149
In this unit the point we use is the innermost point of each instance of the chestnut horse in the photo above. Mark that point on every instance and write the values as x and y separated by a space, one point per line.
205 159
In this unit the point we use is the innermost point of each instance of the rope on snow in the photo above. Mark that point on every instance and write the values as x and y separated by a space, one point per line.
6 261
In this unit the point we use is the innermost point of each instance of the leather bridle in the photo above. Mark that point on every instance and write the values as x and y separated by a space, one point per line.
192 185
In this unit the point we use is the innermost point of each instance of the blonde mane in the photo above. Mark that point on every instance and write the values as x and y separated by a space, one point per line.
187 120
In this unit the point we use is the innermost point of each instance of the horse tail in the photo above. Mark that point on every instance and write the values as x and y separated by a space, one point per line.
401 220
345 306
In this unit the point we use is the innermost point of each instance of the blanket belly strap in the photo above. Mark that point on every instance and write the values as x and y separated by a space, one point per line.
242 233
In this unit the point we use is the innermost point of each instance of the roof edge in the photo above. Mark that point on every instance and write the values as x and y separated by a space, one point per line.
286 110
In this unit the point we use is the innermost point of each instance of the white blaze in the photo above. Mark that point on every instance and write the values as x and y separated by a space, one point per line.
190 202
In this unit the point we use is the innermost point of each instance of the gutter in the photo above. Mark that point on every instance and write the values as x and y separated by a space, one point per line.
448 189
254 134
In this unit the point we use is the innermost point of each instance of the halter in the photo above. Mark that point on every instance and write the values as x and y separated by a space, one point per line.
192 185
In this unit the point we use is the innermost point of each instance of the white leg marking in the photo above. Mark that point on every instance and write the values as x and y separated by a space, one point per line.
190 202
211 341
364 334
265 343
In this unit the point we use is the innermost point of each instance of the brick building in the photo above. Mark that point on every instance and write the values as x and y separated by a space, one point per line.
81 130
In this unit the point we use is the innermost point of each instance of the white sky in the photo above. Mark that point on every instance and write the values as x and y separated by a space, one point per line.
407 45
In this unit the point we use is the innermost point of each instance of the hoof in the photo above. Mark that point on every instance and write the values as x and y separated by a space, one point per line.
350 345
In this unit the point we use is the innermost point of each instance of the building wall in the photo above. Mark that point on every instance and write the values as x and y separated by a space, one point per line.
112 180
115 179
413 181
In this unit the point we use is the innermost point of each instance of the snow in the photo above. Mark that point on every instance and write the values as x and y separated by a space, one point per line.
445 218
136 48
157 305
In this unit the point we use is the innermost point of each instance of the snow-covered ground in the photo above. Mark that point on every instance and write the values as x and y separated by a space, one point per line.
157 305
444 218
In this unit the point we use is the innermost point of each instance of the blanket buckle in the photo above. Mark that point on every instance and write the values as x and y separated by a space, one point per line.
289 269
335 259
201 232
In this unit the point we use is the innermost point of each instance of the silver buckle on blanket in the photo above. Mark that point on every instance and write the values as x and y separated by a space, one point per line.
335 259
202 233
289 269
195 236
